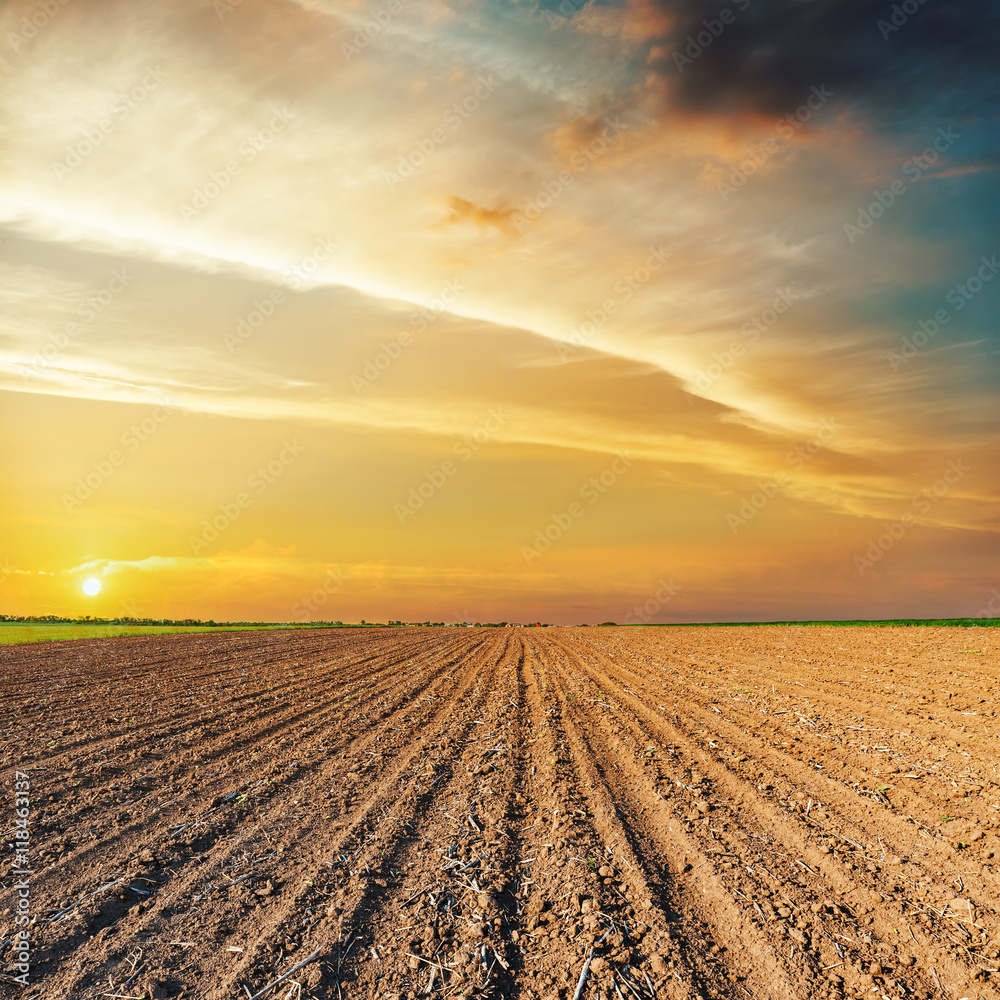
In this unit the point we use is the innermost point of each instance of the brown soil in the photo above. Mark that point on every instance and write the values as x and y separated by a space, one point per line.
745 812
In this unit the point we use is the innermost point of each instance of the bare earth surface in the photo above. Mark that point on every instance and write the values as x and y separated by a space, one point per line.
708 812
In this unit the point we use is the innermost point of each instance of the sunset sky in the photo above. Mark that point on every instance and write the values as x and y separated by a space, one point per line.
465 310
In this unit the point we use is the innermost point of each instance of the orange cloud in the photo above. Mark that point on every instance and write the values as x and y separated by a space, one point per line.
467 211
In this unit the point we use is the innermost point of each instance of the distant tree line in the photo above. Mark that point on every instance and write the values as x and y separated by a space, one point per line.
211 623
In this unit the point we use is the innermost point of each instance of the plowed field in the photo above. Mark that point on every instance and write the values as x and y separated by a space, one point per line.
699 812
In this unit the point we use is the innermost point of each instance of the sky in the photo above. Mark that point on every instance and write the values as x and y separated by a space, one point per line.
456 310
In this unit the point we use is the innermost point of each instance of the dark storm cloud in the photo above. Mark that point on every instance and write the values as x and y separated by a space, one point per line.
894 58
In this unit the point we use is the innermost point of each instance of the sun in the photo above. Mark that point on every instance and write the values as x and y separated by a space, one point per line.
91 587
